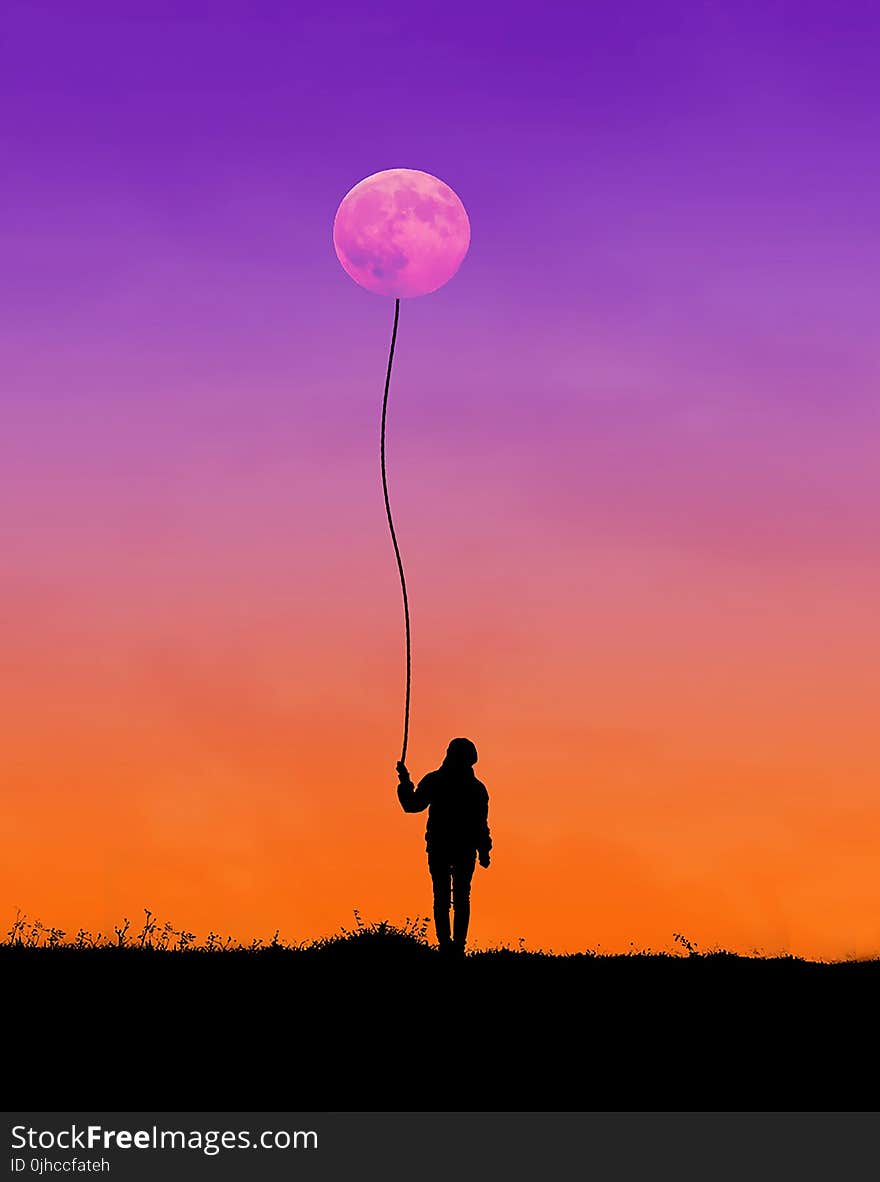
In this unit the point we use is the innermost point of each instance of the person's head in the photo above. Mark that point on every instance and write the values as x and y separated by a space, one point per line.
461 753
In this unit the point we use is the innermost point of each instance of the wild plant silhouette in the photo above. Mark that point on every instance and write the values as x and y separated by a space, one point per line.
373 1017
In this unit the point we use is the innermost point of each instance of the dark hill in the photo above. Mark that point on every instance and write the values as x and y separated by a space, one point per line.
376 1021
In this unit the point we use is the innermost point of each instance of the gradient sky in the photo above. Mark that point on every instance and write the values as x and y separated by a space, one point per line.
632 449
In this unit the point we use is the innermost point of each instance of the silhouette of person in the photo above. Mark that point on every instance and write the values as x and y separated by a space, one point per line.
457 831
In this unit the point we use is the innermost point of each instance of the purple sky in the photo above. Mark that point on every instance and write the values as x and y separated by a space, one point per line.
673 268
696 179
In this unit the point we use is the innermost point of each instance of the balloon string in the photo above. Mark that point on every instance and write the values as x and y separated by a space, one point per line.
394 536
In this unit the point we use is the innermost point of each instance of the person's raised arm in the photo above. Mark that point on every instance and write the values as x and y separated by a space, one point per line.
412 799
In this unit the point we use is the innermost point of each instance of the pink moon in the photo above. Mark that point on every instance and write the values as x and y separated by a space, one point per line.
401 233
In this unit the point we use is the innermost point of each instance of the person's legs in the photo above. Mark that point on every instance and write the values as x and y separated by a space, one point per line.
441 875
462 873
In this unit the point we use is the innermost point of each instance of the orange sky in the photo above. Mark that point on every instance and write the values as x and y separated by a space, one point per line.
670 744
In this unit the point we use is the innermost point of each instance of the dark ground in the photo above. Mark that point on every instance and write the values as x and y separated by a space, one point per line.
376 1022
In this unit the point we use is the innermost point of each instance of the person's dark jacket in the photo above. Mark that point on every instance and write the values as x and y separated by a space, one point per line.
458 810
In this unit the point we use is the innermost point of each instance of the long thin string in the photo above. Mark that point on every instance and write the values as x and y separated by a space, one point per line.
394 536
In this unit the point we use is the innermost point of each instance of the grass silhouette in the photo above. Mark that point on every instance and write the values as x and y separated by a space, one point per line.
372 1018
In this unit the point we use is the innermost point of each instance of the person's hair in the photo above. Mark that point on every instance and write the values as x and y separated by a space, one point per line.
462 751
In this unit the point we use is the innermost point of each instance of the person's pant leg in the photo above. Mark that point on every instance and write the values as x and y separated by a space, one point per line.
462 874
441 879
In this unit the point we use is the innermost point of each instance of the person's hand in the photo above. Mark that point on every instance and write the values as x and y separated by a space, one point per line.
484 861
402 771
